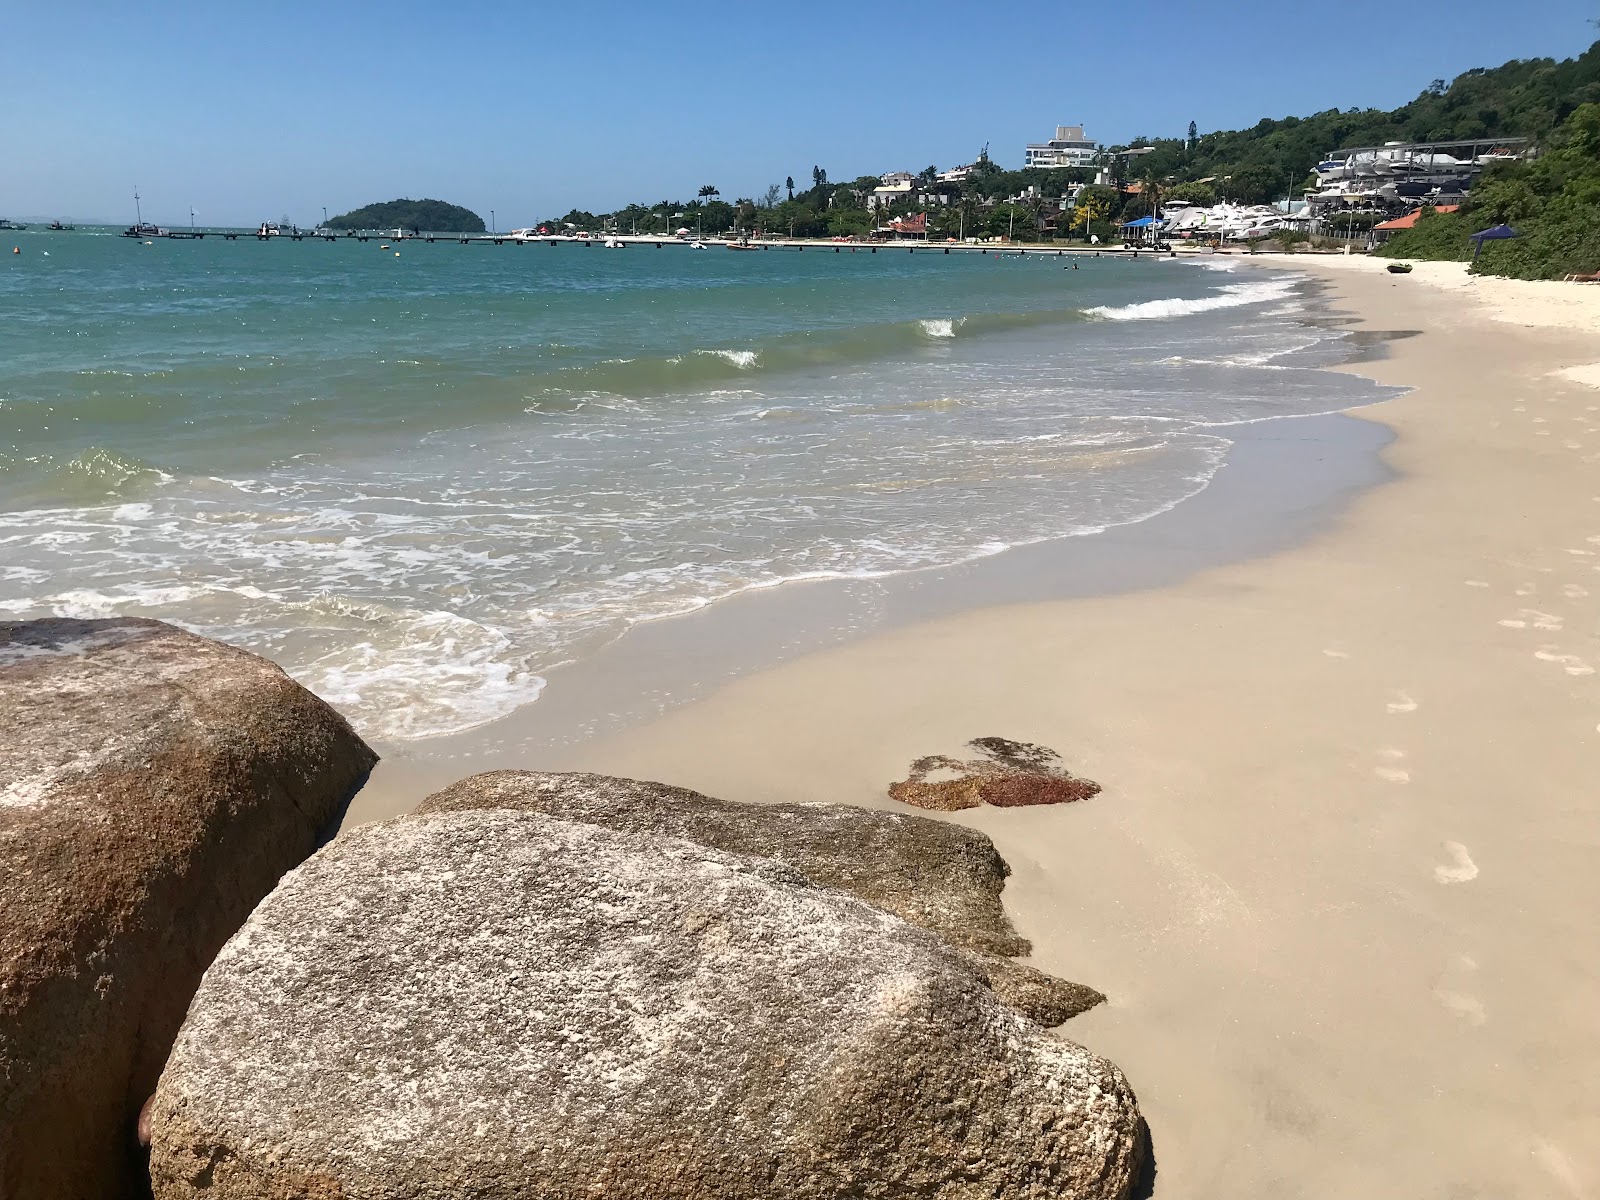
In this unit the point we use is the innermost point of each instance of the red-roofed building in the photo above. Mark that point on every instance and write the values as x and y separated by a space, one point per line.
1382 233
913 226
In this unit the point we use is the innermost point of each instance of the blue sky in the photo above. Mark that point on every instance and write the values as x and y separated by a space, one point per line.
246 112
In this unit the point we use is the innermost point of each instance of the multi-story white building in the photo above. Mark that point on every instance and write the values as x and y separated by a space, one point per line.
1069 148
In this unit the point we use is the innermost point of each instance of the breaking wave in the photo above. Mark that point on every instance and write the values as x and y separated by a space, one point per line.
1233 295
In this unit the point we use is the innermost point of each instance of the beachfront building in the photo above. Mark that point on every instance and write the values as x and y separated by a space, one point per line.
1383 232
1069 148
955 174
913 227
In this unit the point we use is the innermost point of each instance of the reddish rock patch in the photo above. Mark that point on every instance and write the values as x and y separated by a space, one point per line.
1005 774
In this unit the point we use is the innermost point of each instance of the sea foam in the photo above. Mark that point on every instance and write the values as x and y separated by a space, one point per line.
1234 295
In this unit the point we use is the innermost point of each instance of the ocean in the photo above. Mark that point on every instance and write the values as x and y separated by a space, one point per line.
422 480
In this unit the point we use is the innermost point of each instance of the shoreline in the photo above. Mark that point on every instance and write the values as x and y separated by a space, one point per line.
1338 886
1284 479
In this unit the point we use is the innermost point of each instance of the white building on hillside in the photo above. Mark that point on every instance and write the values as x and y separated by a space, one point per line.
896 185
1069 148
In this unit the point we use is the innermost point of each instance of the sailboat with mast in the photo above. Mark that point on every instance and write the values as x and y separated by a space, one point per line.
139 229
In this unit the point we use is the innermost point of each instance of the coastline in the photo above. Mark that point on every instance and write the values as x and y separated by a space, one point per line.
1283 480
1340 879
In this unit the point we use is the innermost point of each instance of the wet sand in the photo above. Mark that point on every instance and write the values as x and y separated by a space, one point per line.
1341 884
1283 481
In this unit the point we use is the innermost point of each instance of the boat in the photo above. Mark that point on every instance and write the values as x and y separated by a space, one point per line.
4 224
59 227
141 228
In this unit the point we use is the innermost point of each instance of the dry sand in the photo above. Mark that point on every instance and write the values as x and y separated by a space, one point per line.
1342 884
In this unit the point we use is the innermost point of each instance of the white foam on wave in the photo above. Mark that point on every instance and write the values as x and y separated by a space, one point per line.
743 359
416 673
938 328
1234 295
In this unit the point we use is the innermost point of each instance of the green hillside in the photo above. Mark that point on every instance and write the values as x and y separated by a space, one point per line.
430 216
1274 158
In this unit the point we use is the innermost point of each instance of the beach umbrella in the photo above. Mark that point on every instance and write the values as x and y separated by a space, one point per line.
1494 233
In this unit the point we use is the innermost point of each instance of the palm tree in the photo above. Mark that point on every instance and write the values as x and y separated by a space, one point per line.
1035 208
1151 186
967 207
709 192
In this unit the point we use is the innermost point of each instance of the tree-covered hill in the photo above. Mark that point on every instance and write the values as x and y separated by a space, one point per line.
432 216
1274 158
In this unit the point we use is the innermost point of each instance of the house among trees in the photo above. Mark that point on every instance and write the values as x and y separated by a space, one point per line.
892 188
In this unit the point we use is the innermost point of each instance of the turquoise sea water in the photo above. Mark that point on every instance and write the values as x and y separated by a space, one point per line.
420 481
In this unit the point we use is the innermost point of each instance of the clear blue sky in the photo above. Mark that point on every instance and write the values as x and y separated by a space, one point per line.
252 111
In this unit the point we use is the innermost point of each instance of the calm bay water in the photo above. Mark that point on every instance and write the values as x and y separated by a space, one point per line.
420 482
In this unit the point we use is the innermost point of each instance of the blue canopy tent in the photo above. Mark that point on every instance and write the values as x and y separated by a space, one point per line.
1495 233
1143 228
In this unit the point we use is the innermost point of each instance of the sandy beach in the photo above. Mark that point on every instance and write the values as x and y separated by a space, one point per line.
1340 884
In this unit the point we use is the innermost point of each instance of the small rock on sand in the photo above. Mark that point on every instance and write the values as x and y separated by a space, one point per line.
1005 774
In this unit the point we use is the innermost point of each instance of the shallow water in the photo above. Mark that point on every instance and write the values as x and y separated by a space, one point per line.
419 482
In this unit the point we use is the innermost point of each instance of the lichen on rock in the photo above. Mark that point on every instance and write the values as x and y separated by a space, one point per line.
941 876
501 1004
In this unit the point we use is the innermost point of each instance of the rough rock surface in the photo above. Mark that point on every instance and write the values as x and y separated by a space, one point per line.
154 785
941 876
500 1004
1005 774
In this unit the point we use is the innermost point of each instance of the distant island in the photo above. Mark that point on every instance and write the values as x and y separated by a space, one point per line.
432 216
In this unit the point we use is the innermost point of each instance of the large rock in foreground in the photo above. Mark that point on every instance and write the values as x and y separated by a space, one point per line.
154 785
941 876
496 1004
